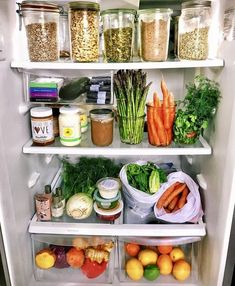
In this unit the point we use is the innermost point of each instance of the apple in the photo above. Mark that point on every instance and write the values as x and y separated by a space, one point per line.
176 254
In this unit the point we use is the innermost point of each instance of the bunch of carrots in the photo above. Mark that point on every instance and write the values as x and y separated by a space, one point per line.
160 117
174 197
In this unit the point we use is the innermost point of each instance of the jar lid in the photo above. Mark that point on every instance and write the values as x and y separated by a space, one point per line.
108 184
84 5
196 4
39 6
69 109
81 110
102 113
41 111
109 212
156 11
117 11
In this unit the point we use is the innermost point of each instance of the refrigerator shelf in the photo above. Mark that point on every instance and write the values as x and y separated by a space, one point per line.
68 65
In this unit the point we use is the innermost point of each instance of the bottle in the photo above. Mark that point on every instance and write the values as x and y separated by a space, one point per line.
57 208
43 207
59 193
47 191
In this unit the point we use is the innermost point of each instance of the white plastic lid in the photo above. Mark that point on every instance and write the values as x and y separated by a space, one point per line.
108 184
108 212
69 109
41 111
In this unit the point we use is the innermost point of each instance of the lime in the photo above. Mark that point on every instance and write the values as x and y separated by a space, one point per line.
151 272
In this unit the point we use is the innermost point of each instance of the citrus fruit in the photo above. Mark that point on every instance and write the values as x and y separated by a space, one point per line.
151 272
164 249
165 264
181 270
176 254
132 249
147 256
134 269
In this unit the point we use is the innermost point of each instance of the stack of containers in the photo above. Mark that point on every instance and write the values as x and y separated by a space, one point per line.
99 90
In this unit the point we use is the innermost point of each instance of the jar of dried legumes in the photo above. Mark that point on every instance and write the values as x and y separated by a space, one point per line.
194 23
84 31
41 20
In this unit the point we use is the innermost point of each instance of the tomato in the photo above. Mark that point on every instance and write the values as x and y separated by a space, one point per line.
93 269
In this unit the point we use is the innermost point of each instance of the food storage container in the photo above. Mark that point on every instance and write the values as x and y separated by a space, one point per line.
106 204
73 259
109 215
108 187
41 20
118 34
154 28
194 24
101 126
83 120
64 35
84 31
156 261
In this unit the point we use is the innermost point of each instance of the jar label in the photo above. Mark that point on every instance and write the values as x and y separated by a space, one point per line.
70 134
42 130
83 120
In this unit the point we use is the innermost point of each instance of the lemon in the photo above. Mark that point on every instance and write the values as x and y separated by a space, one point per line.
134 269
147 256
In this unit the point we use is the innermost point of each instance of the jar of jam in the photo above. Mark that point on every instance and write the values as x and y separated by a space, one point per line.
101 126
42 125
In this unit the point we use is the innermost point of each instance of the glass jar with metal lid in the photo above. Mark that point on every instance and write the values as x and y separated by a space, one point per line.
118 31
84 31
64 35
194 23
154 28
41 20
101 126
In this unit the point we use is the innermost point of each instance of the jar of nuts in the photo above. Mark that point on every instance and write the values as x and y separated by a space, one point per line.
41 20
194 23
84 31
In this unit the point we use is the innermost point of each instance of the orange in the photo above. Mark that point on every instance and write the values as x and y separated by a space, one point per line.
165 264
181 270
132 249
164 249
176 254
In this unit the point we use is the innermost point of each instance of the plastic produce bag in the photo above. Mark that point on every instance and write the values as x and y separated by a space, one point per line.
191 211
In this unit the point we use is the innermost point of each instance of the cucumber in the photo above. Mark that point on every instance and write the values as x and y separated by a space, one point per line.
74 89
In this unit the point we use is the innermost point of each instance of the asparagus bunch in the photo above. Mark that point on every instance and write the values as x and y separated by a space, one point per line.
131 90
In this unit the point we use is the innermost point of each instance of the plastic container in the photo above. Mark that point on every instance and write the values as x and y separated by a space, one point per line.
64 36
41 20
84 31
194 24
118 34
106 204
83 120
109 215
154 29
108 187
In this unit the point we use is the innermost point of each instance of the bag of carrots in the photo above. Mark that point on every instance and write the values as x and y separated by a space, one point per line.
178 200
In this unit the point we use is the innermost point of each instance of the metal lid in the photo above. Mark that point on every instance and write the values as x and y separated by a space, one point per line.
84 5
69 109
39 6
196 4
47 189
101 114
41 111
156 11
117 11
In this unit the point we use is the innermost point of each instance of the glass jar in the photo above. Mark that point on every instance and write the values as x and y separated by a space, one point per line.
194 23
69 125
41 22
101 126
118 29
64 36
84 31
154 28
83 120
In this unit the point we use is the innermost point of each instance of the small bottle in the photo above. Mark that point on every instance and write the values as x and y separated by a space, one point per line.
57 209
59 193
43 207
47 191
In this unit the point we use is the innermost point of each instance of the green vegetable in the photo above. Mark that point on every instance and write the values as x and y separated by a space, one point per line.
154 181
74 89
79 206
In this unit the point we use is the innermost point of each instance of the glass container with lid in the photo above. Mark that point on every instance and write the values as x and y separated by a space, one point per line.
154 28
64 35
194 23
118 34
84 31
41 20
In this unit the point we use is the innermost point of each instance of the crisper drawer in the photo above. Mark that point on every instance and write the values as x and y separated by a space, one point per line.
75 259
159 261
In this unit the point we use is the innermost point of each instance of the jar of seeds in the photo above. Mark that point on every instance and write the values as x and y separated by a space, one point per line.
194 23
41 20
84 31
118 30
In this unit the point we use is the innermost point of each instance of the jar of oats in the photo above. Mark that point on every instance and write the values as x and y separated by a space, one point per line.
194 23
84 31
41 20
154 30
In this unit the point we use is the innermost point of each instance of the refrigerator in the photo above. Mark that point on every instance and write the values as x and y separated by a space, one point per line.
26 169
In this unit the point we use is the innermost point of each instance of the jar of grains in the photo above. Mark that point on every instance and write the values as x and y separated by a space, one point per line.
118 29
41 20
84 31
154 28
194 23
101 126
64 35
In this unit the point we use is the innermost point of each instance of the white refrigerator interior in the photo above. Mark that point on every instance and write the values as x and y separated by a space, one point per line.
25 170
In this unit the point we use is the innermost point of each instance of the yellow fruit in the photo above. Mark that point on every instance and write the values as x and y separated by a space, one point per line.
181 270
176 254
134 269
165 264
147 256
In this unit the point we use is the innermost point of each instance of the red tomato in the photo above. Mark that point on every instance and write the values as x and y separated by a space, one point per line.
93 269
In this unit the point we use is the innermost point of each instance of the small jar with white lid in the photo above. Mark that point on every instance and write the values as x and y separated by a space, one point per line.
83 120
69 125
42 126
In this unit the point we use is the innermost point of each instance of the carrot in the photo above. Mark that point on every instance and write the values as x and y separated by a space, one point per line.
152 132
167 192
164 93
169 135
160 128
176 208
156 100
183 198
167 211
171 100
173 203
173 194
